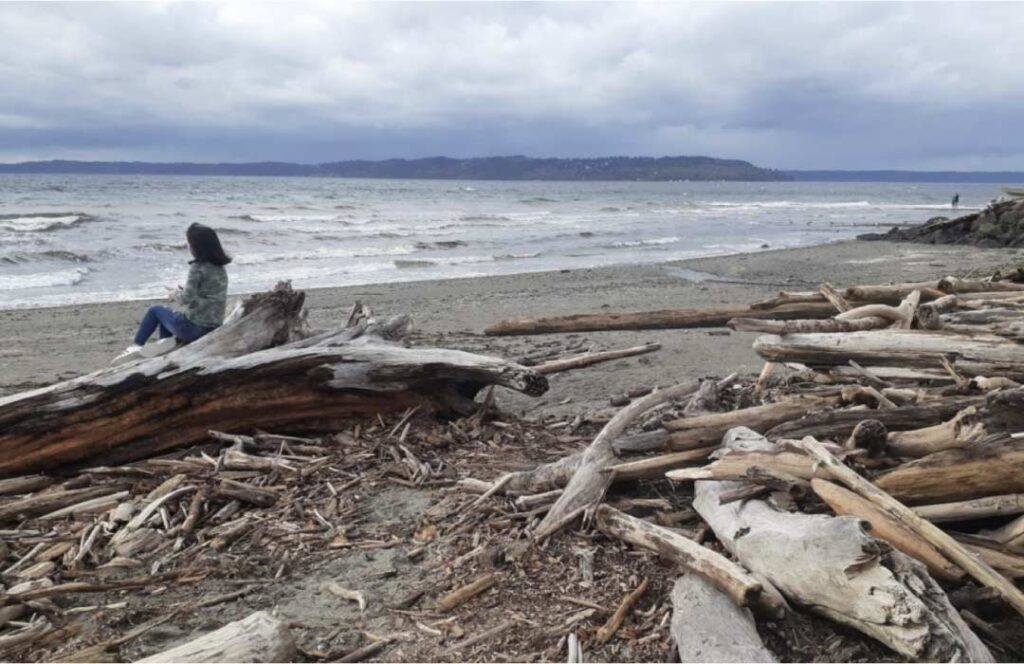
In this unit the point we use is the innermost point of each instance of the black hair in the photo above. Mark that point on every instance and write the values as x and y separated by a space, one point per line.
205 245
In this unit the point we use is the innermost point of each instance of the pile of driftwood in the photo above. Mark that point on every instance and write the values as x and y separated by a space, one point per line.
879 473
871 475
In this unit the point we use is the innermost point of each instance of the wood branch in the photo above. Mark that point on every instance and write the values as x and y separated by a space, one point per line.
461 595
974 355
979 508
725 575
832 567
588 359
657 466
946 545
591 480
257 638
901 317
955 285
834 297
708 627
142 408
607 630
824 325
847 503
988 468
27 484
49 501
654 320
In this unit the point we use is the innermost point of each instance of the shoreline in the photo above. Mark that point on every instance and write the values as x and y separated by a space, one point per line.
42 346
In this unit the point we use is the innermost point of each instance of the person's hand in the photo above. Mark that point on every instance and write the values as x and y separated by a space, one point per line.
172 293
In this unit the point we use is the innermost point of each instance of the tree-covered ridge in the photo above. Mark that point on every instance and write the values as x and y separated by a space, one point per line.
441 168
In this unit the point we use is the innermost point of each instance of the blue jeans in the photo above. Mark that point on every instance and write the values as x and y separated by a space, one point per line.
171 323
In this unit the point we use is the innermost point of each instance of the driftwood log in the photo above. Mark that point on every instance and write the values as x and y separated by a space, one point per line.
257 638
832 567
233 379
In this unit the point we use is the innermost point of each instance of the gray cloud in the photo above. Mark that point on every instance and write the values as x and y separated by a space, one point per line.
786 85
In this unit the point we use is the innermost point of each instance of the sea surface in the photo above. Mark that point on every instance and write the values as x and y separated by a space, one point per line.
89 238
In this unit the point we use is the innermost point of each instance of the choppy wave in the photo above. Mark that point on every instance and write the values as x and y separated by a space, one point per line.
54 279
623 244
406 264
53 255
515 257
257 258
442 244
41 222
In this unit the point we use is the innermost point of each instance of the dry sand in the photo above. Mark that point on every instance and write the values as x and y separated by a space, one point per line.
40 346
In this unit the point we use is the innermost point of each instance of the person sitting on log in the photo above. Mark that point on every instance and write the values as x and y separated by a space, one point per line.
204 297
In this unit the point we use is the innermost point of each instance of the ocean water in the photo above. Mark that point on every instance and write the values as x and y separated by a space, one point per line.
84 238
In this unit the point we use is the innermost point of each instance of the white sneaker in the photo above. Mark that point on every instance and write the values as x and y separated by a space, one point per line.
160 347
130 353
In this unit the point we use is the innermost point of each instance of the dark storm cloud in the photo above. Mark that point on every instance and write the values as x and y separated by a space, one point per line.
786 85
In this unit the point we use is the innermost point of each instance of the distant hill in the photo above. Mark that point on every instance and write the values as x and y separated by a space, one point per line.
440 168
996 177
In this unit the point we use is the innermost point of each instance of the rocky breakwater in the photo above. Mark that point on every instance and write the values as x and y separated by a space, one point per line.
1001 224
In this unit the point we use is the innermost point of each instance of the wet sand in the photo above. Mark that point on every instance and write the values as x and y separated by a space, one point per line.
40 346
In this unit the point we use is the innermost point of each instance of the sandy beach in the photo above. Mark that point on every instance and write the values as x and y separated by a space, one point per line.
40 346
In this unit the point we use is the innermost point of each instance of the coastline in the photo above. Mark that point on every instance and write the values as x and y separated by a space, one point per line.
41 346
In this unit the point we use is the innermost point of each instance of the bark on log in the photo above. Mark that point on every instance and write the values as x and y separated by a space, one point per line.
708 627
831 566
974 355
257 638
988 468
847 503
654 320
590 481
949 547
725 575
142 408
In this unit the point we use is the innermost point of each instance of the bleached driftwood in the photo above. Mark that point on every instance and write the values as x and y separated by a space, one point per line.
257 638
708 627
831 566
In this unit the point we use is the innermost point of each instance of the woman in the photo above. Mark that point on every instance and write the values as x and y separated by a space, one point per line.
204 297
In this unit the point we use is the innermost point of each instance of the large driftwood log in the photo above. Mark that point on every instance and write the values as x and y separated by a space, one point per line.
830 565
654 320
979 508
226 382
974 355
702 430
708 627
987 468
257 638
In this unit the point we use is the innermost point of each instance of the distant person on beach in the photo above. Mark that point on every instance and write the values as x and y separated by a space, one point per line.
956 200
204 297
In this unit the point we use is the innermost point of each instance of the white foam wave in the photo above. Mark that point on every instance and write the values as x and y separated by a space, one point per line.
623 244
54 279
40 223
258 258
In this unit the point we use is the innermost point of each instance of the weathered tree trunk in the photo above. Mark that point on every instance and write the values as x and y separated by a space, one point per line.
988 468
826 325
831 566
979 508
226 382
258 638
654 320
974 355
707 627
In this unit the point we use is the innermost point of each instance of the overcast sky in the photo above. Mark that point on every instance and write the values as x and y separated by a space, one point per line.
922 86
